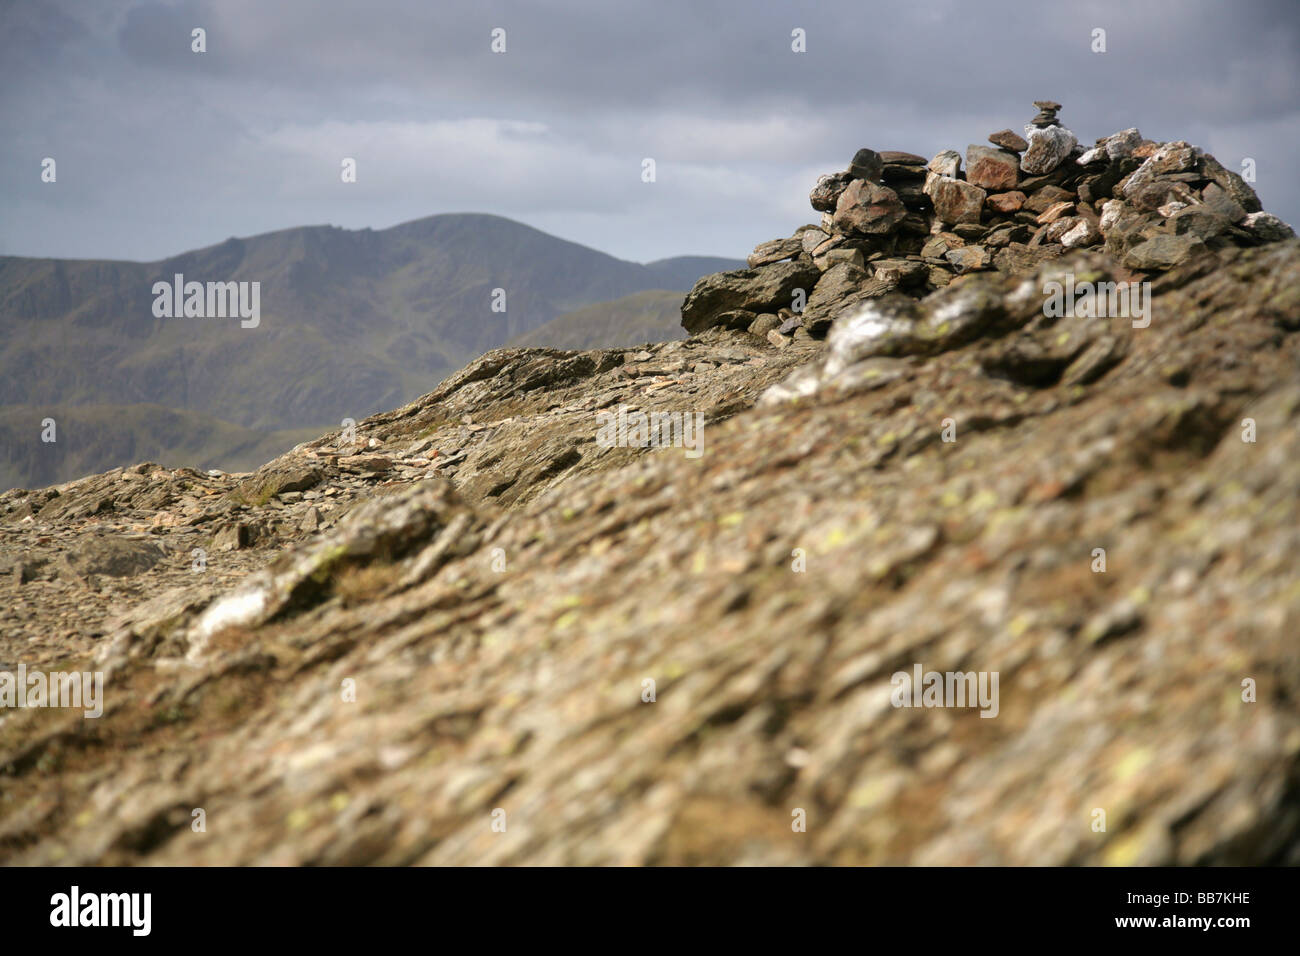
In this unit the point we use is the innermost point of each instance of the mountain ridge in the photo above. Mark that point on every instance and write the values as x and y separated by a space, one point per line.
353 321
654 264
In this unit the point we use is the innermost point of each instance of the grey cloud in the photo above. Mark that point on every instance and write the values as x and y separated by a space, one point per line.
161 149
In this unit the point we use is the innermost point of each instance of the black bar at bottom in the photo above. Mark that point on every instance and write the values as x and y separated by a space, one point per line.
333 906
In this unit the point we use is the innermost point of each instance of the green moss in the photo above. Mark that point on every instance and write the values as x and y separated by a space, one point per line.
327 563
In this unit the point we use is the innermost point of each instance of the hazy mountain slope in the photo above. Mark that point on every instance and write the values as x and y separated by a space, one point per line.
651 316
347 316
93 433
681 272
352 321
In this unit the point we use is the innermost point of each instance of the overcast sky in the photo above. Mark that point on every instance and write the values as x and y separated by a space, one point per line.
160 149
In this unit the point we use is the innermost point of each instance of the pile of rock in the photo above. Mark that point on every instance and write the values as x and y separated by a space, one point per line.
894 222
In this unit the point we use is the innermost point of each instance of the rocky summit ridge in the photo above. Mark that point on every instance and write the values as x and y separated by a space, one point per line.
472 609
895 222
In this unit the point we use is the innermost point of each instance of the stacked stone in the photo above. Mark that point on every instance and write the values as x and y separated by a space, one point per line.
894 222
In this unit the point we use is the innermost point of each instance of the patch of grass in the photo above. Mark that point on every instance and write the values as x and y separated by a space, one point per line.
433 426
253 494
361 583
168 716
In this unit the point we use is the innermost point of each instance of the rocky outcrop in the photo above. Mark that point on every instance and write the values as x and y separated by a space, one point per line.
753 290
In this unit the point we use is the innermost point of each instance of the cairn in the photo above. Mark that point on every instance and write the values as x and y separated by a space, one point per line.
895 222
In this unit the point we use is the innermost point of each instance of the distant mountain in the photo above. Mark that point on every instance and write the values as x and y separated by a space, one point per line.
681 272
88 435
651 316
352 321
